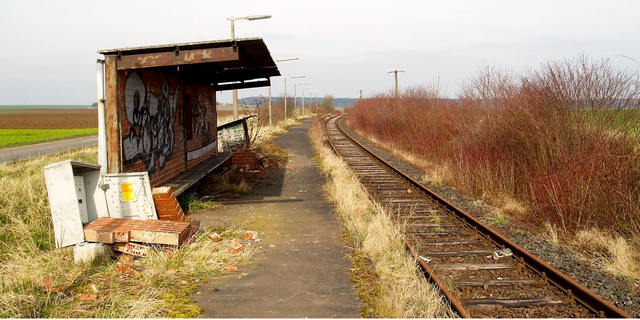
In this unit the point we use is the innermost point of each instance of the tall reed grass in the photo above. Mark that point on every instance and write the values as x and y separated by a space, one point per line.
563 140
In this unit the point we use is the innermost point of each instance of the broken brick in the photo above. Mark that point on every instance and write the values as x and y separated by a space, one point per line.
249 235
236 249
46 283
87 297
215 237
231 268
125 258
167 254
133 249
125 269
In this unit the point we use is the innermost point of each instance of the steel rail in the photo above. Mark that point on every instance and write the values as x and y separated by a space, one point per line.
580 293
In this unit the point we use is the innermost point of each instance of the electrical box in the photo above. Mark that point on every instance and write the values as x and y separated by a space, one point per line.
70 207
79 194
82 198
129 195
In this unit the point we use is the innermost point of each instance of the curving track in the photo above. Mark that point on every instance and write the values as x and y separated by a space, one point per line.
480 272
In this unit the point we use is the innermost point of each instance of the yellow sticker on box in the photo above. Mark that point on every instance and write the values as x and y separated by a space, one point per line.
127 192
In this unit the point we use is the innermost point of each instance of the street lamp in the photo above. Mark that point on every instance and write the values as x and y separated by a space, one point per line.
233 37
285 93
303 88
316 92
310 105
287 59
295 93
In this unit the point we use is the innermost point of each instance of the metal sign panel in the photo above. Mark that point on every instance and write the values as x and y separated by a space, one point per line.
129 196
231 137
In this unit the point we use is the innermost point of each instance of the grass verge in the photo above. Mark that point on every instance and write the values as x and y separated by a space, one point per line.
22 137
387 278
39 281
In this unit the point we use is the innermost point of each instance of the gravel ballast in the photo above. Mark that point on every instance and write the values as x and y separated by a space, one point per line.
621 292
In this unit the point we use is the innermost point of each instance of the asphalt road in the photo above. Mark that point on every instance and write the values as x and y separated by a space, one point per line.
35 150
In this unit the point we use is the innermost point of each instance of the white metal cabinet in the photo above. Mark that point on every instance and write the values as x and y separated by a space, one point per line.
79 194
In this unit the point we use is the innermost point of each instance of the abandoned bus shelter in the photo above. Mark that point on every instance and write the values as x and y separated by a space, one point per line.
158 113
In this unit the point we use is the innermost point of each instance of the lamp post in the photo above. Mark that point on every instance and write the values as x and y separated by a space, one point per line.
295 93
317 93
233 37
303 88
285 92
396 74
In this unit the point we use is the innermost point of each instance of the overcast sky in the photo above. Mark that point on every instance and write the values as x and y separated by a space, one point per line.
48 53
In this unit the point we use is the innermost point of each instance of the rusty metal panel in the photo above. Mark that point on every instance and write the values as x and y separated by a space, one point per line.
178 57
111 115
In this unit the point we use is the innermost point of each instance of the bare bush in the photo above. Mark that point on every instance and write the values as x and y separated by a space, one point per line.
562 140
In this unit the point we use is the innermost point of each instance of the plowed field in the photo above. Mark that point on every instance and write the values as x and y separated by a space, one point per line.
49 119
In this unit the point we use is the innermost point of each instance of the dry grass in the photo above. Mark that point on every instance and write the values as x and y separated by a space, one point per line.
266 133
551 233
403 292
618 256
28 257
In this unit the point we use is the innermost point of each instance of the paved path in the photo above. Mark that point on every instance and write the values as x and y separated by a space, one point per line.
300 268
36 150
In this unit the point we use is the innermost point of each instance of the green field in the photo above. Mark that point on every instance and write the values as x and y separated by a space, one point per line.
21 137
42 106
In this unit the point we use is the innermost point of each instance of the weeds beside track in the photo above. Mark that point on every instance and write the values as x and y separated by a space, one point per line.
433 227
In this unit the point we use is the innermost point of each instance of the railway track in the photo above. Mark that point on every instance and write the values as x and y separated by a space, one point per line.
480 272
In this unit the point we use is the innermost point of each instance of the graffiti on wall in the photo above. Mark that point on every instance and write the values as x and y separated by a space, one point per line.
151 118
201 125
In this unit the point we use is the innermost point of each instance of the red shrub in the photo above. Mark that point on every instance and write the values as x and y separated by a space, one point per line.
563 139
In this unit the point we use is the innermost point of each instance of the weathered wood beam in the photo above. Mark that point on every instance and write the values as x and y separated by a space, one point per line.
473 266
178 57
112 120
495 282
459 253
511 303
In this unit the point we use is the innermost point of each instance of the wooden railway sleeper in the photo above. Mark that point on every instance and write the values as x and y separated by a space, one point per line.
600 306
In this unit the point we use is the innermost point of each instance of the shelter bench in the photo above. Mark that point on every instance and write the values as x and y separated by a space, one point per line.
192 176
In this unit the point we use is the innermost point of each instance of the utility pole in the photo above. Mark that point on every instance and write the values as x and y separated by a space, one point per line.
360 93
396 75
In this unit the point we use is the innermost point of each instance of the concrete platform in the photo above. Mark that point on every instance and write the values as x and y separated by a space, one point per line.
300 268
